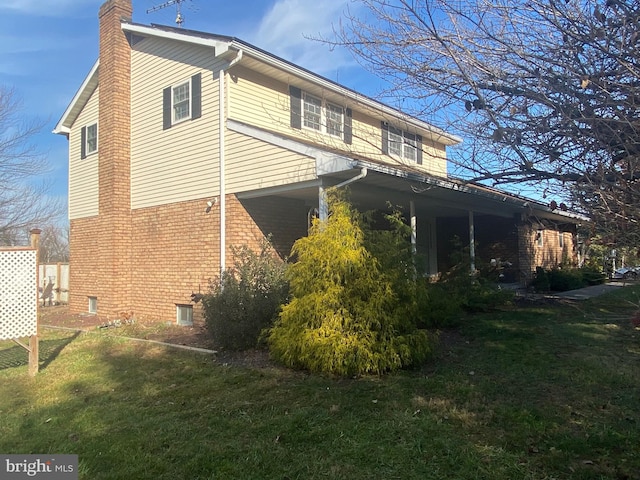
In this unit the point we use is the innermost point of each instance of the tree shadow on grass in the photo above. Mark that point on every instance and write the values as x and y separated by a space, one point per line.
49 350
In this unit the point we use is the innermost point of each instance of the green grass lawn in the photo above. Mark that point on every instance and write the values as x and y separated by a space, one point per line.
546 392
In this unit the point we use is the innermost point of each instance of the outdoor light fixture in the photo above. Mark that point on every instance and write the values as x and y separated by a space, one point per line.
210 204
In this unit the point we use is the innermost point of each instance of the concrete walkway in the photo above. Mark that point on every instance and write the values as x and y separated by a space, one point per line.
590 292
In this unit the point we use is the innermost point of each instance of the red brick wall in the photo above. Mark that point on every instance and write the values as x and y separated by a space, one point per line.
100 246
175 251
550 254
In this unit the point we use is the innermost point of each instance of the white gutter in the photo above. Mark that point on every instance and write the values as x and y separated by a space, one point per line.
221 152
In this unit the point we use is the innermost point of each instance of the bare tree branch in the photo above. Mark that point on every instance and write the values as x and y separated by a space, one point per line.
544 92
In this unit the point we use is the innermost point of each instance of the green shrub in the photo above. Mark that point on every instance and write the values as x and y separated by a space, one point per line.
246 299
562 280
593 275
441 305
345 317
540 281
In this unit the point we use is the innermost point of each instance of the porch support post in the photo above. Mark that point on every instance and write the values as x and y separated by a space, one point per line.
414 234
472 243
323 209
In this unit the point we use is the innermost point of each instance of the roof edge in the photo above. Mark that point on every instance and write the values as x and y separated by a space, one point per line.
64 124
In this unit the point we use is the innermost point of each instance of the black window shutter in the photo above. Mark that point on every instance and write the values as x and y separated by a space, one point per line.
166 108
419 149
348 129
295 97
385 137
83 142
196 96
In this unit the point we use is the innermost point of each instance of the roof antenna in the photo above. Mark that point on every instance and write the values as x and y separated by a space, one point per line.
177 3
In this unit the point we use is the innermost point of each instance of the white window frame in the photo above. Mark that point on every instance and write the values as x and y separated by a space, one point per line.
319 117
184 315
540 237
186 100
93 305
402 144
561 239
88 138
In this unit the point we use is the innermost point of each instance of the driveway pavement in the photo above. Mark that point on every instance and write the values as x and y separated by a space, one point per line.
593 291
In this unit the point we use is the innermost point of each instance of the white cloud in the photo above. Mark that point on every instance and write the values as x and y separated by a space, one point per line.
289 26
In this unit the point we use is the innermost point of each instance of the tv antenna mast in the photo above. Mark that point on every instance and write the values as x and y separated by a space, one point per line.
177 3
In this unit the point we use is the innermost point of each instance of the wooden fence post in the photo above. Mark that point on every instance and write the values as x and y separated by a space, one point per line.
34 343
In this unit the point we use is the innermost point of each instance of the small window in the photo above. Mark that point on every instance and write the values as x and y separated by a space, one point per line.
92 138
561 239
540 238
184 315
181 101
93 304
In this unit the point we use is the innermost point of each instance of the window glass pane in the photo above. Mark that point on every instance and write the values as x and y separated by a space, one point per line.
181 105
395 141
92 138
312 112
334 120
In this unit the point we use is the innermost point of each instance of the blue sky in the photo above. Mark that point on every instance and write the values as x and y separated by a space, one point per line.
47 48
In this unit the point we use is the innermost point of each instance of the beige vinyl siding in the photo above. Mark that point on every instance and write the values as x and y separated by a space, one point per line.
180 163
83 173
264 102
252 164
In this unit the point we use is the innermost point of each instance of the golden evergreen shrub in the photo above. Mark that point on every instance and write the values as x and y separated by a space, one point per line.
344 316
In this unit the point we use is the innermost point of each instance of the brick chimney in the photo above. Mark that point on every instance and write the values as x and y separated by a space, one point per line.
114 158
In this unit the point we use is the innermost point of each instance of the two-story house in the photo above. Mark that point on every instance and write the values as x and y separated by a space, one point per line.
183 144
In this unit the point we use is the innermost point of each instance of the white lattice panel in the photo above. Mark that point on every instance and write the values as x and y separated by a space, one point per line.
18 294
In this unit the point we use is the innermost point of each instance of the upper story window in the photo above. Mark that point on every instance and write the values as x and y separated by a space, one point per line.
401 143
561 239
182 101
89 140
540 238
322 116
335 119
314 113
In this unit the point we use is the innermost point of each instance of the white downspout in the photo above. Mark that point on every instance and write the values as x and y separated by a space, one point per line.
221 153
324 211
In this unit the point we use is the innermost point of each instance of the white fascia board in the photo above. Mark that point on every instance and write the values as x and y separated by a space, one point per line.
439 134
219 46
63 127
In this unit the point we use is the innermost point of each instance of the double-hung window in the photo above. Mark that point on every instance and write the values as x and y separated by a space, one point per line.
89 140
335 119
315 113
182 101
402 144
322 116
